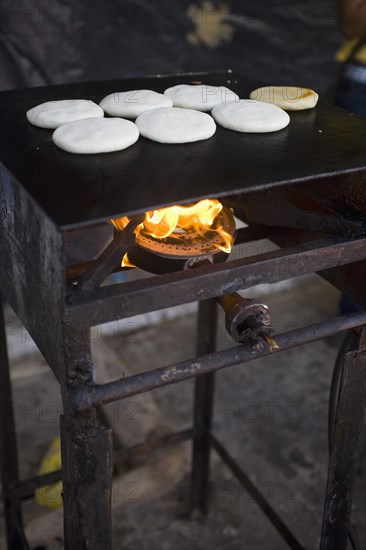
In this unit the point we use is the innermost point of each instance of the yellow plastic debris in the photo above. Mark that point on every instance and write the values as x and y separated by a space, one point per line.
50 496
345 51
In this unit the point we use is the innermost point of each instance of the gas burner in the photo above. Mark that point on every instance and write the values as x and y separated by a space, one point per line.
188 244
182 249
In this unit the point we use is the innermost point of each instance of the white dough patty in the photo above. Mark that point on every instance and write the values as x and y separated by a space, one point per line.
176 125
96 135
54 113
289 98
202 98
131 104
251 116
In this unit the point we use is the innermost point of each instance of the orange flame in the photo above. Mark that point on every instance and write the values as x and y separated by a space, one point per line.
174 220
126 261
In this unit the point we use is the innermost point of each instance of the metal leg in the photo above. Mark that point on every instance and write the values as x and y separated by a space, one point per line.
124 464
87 482
203 399
344 445
8 452
87 457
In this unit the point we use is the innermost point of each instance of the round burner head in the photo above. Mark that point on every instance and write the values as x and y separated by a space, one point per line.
190 244
174 253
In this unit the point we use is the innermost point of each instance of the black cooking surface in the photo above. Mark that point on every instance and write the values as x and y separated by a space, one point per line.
81 189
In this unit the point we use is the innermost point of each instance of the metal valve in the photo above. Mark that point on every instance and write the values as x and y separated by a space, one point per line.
246 319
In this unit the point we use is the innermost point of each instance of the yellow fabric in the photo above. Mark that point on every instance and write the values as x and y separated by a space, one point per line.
50 496
345 51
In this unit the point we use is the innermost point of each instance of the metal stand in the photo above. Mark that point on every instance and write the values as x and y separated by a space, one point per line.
87 482
8 451
320 229
87 448
203 399
87 456
344 445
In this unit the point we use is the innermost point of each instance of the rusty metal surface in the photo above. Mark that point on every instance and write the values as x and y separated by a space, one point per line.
31 268
246 320
202 412
95 274
81 189
131 298
315 210
8 451
82 442
350 343
27 487
83 397
344 446
54 189
87 482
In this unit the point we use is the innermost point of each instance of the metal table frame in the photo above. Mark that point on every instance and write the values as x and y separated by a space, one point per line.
87 447
44 192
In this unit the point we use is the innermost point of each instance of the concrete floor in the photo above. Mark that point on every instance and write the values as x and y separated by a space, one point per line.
271 414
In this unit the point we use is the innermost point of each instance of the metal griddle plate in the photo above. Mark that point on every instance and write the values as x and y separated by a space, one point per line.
77 190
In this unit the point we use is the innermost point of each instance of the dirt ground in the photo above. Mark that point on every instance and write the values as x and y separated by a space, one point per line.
270 413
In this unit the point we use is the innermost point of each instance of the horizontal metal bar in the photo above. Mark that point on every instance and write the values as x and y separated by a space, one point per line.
26 487
264 505
83 396
303 219
135 297
258 232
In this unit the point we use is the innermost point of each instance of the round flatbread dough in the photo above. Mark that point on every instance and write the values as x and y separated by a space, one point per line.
289 98
251 116
176 125
54 113
131 104
202 98
96 135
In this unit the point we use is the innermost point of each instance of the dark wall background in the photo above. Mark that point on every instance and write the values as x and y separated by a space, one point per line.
63 41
